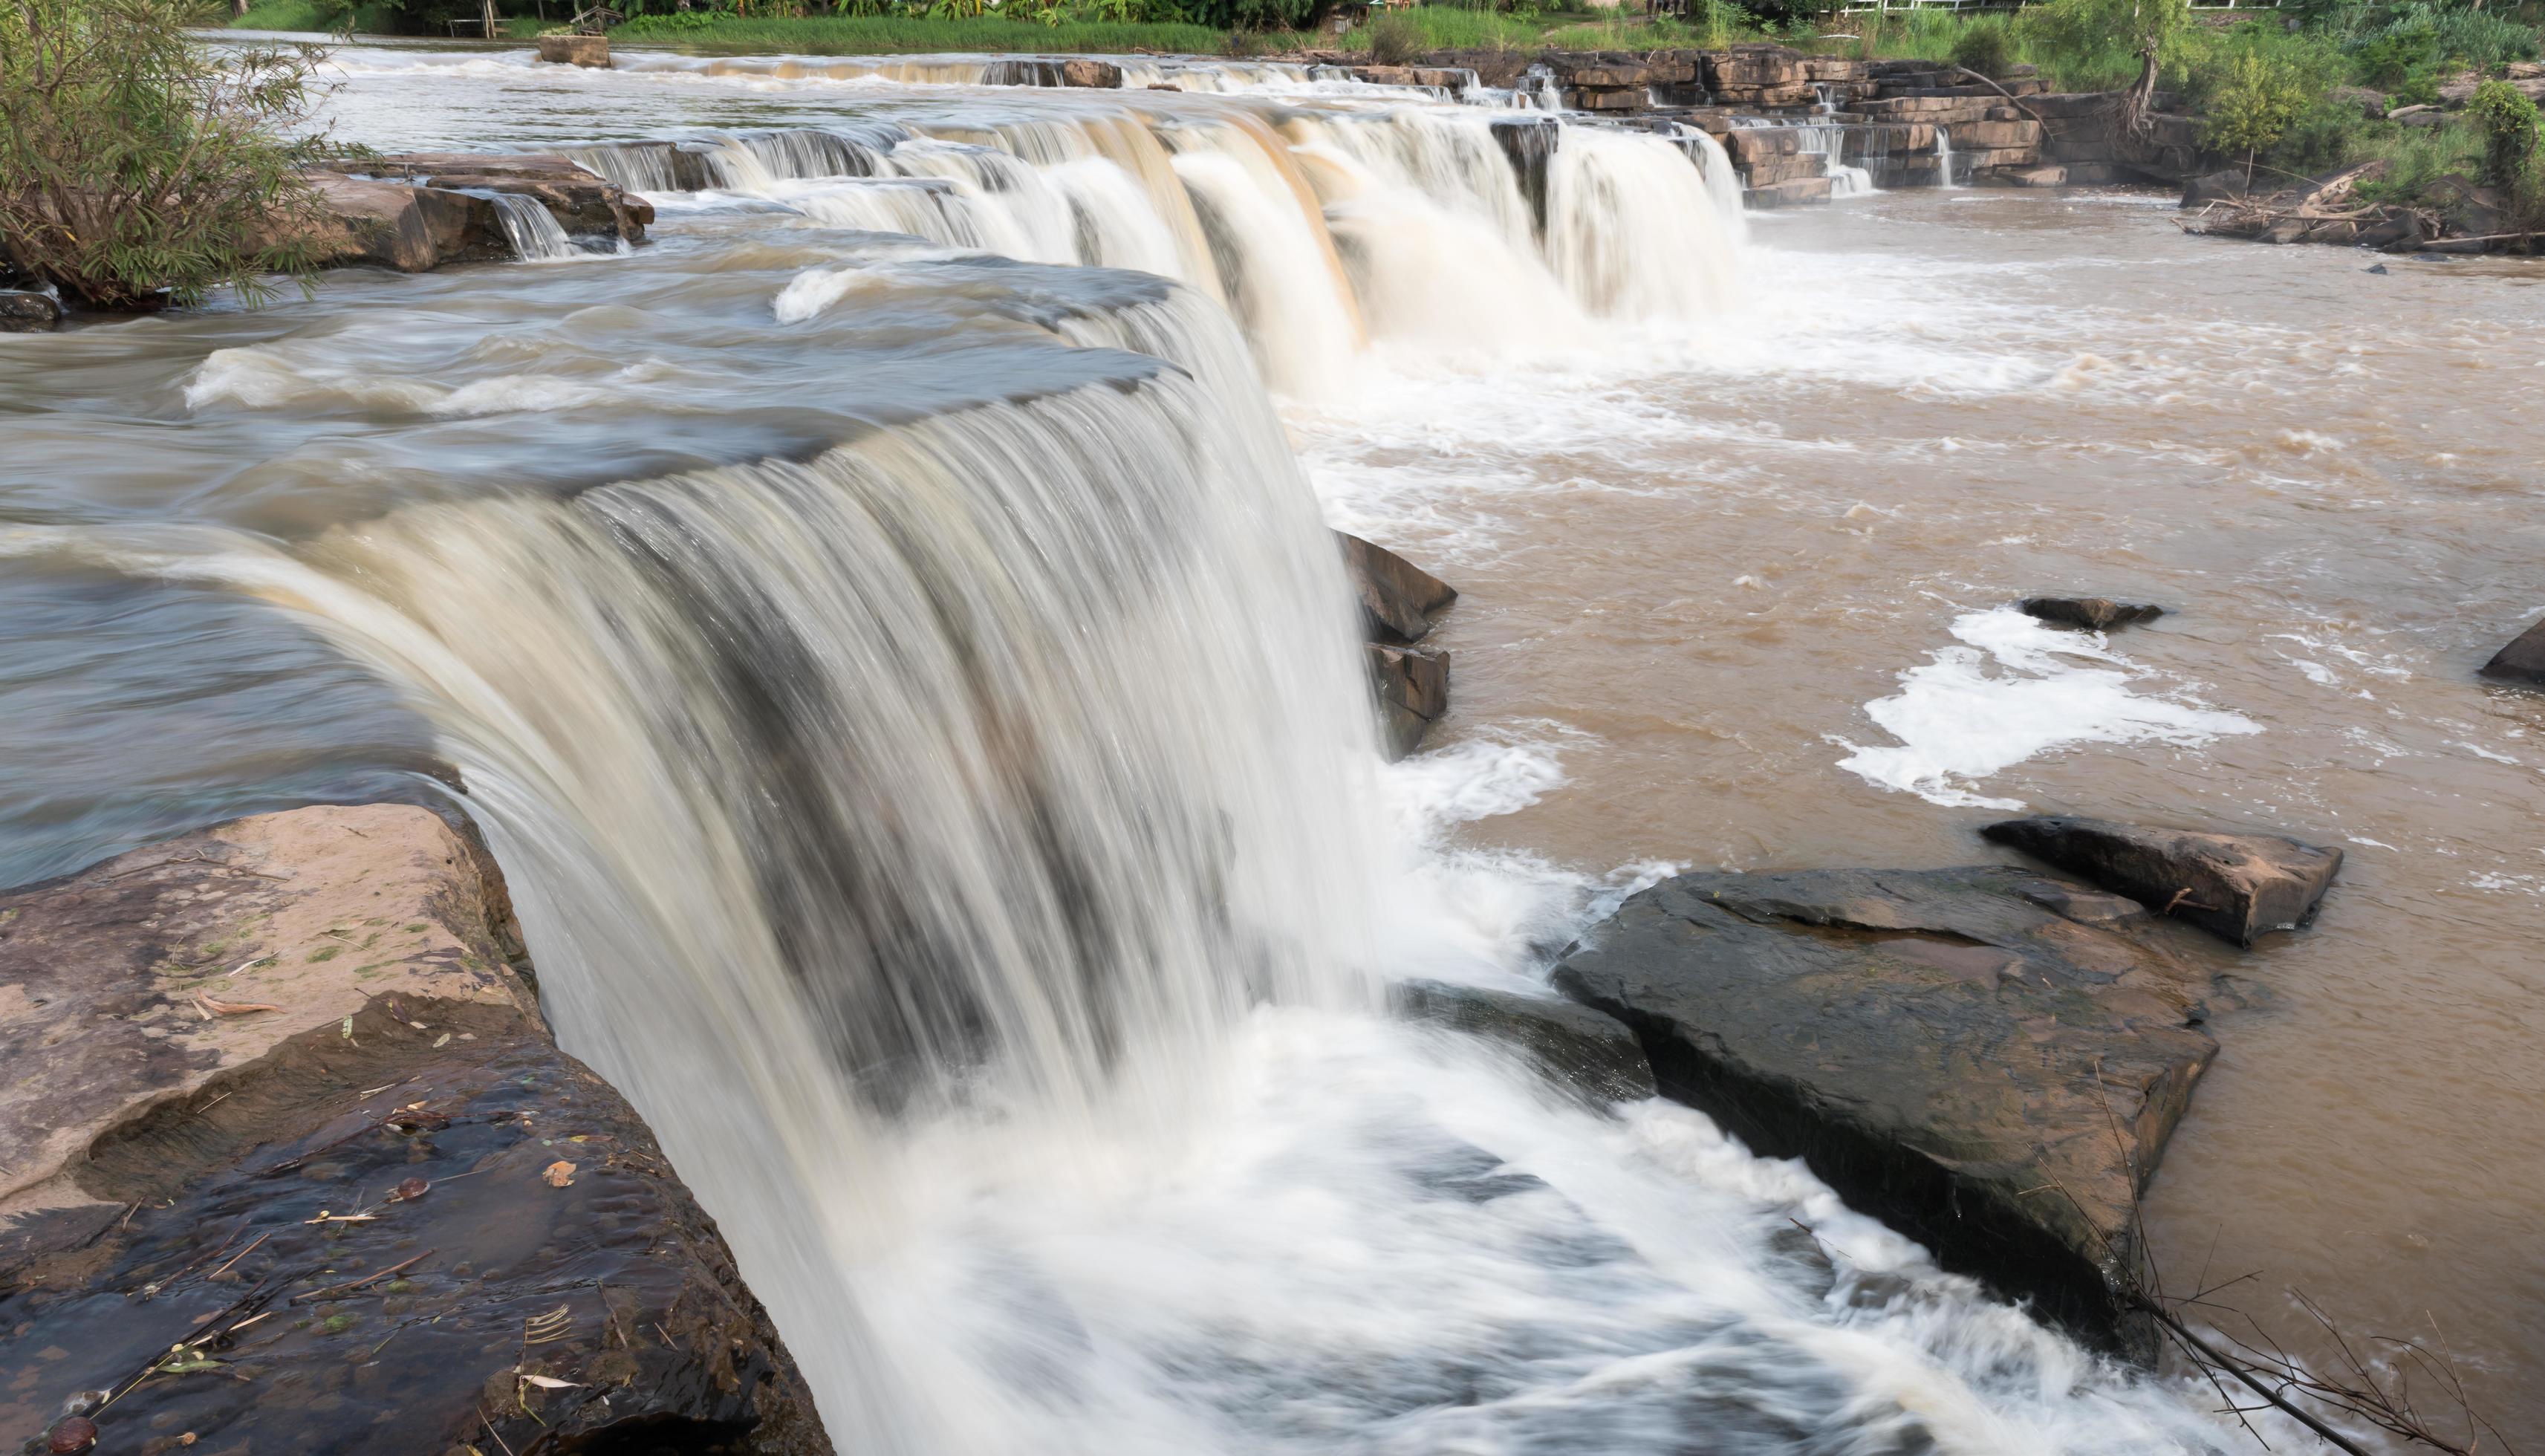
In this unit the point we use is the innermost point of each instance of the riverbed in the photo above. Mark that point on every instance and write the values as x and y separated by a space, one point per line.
1737 505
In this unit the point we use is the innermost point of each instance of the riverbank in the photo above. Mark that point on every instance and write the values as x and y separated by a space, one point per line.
292 1159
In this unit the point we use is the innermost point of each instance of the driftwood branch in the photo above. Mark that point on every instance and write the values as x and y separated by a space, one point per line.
2002 91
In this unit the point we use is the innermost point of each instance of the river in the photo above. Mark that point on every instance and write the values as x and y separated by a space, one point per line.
887 637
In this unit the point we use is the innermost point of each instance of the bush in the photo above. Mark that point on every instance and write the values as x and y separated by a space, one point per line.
2253 106
2506 120
1984 46
1395 38
136 167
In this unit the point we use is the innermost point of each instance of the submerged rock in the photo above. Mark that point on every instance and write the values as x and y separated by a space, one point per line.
2093 613
1412 686
562 48
2524 660
286 1132
25 312
1989 1058
1573 1044
2236 886
1398 599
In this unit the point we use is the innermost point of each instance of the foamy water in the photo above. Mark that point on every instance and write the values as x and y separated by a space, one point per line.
1709 513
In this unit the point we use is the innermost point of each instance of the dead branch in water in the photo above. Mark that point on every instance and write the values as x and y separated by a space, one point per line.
2358 1391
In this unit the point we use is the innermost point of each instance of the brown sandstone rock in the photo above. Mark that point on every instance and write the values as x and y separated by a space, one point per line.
2236 886
591 51
1398 600
1102 75
278 1129
1412 686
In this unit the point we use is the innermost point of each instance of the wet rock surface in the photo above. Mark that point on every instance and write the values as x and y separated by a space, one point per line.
1412 686
1989 1058
25 312
1399 602
1573 1044
2236 886
420 210
2093 613
2524 660
293 1166
591 52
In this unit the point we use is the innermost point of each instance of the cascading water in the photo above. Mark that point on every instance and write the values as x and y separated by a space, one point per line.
964 840
533 230
1826 139
1944 157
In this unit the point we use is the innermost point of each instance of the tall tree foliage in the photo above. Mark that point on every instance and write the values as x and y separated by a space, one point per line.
139 166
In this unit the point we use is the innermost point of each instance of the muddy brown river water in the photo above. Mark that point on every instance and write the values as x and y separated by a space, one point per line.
1687 589
1738 520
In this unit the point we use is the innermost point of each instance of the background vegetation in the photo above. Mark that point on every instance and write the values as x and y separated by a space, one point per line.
138 168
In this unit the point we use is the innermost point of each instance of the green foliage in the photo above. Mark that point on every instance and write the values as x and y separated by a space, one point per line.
2506 120
1395 38
137 167
1985 47
2414 157
2253 106
2137 28
909 34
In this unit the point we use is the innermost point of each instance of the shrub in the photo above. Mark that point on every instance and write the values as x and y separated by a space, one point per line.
1984 46
2253 106
137 167
2506 120
1395 38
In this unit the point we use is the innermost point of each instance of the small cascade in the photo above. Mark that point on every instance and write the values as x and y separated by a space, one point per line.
1825 138
1944 157
533 230
641 166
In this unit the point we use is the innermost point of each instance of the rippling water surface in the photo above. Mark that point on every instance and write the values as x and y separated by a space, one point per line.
885 628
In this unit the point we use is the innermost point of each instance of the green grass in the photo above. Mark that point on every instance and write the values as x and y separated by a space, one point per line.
282 15
894 35
2415 157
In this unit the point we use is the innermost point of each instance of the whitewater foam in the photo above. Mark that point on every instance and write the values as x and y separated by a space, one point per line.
2015 690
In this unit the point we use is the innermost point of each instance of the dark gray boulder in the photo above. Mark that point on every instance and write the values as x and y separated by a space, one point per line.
2236 886
1573 1044
1989 1058
2092 613
25 312
1412 686
1398 600
2524 660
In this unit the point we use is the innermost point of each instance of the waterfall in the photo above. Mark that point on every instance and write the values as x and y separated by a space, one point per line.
1323 232
1943 157
532 228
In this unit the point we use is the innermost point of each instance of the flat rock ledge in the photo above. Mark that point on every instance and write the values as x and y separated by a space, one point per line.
2236 886
1573 1045
416 211
292 1164
1989 1058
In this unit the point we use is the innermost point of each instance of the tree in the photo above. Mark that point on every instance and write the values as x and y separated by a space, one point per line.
138 167
2508 120
2253 106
